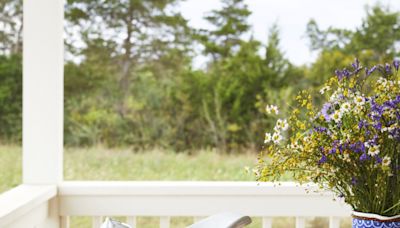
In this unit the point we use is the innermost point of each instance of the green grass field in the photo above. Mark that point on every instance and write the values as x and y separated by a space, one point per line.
124 164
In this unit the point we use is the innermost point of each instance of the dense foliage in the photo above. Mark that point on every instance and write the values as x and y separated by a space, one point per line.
130 80
351 144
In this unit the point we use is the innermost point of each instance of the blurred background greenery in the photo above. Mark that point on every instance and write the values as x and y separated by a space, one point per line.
136 108
130 80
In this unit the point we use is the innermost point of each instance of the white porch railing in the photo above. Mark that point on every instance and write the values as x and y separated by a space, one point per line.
29 206
169 199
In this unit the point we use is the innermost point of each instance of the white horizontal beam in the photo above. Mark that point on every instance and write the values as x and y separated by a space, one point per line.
19 202
224 188
194 199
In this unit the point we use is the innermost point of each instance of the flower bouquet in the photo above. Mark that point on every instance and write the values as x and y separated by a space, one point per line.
346 139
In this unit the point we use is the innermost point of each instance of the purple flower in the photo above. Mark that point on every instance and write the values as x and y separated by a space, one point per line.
356 66
390 104
344 73
357 147
354 181
363 157
325 111
370 71
378 160
396 64
397 100
323 159
321 129
342 147
378 126
376 107
388 68
362 123
339 74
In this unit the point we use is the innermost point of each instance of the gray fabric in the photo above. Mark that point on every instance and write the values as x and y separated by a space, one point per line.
223 220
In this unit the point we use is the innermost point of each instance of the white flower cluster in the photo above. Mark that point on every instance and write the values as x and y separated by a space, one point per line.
272 109
356 104
324 89
336 95
276 137
295 146
385 84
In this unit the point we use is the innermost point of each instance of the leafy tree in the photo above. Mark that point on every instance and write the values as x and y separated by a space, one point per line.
135 31
379 33
230 24
132 50
374 41
11 27
10 98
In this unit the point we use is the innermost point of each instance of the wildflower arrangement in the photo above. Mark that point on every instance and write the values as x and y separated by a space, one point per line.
348 144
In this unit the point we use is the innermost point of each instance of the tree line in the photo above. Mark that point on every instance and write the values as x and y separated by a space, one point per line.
130 81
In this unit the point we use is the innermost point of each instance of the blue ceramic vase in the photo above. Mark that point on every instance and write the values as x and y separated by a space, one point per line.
365 220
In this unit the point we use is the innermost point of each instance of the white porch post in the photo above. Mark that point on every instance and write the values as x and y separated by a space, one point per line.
43 64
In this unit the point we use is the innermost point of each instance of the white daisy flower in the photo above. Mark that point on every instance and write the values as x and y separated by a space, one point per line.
272 109
359 100
358 109
386 161
374 150
345 107
324 89
336 116
268 138
285 125
277 138
281 125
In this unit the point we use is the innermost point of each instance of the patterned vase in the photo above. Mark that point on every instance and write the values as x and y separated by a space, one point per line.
365 220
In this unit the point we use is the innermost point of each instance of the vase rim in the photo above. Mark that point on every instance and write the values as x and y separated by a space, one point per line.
372 216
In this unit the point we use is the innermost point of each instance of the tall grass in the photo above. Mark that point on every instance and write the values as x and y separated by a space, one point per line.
99 163
124 164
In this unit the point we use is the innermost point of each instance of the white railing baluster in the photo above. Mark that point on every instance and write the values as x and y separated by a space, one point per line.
96 221
164 222
131 220
300 222
64 222
334 222
266 222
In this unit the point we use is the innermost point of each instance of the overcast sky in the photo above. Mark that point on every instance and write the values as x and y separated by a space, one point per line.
292 17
